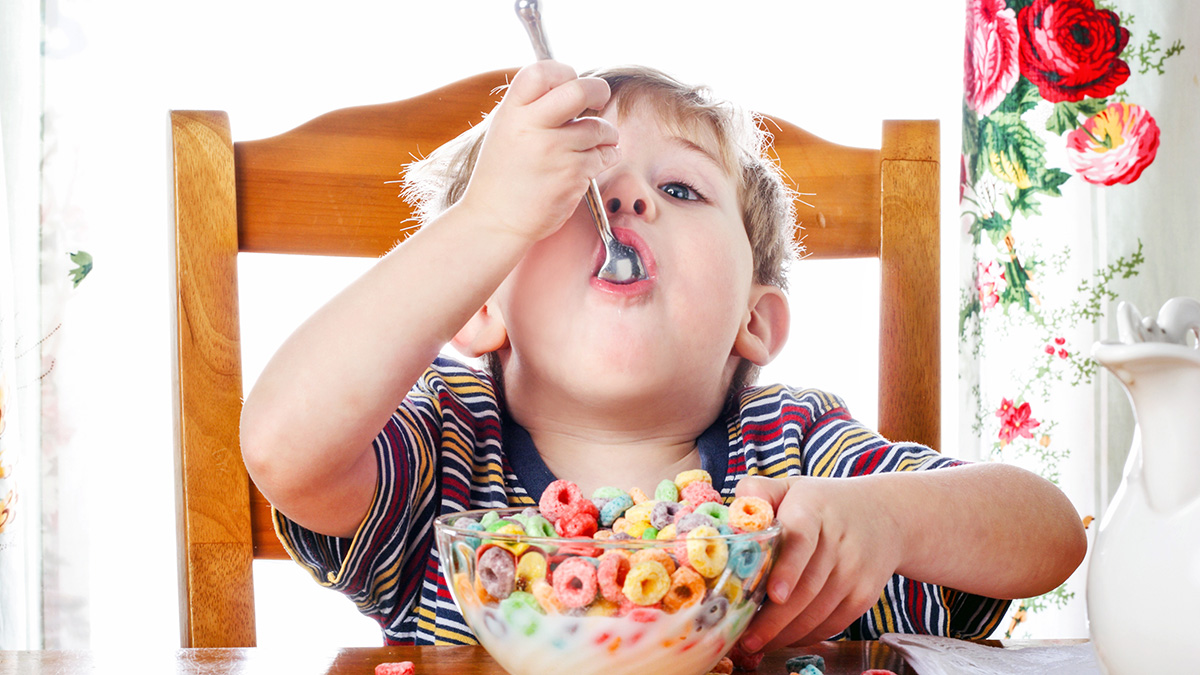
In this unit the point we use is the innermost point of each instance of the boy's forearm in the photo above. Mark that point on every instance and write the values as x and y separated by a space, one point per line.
990 529
331 387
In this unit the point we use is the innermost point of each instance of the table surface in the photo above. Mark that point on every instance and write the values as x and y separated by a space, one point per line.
841 658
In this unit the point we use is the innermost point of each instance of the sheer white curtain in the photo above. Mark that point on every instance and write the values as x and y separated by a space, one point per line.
113 70
20 331
1080 152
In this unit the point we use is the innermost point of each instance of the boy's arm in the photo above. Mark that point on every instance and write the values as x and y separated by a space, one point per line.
989 529
309 422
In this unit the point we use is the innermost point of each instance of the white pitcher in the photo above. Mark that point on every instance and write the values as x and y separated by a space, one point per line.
1143 587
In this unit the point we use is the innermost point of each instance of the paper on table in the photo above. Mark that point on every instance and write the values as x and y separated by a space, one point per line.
933 655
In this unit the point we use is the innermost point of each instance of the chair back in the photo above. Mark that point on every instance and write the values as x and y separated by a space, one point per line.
323 188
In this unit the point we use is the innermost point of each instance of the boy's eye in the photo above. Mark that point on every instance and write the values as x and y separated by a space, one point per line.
681 191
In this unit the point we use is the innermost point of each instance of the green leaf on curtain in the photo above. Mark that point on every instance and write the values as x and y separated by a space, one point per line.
1052 179
1066 114
1014 153
1022 98
83 262
996 226
970 146
1016 292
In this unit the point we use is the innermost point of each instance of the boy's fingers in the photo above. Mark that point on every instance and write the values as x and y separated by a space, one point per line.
535 80
587 133
568 100
813 614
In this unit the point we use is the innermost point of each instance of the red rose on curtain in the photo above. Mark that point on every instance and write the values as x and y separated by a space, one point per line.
990 61
1070 49
1114 145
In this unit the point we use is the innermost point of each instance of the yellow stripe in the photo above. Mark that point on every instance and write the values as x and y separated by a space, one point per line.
444 636
834 452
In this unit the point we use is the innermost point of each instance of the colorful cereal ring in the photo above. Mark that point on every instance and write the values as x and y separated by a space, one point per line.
686 478
515 547
751 514
797 663
574 582
662 557
718 512
614 567
577 519
531 567
667 491
663 513
723 667
522 611
640 511
646 583
638 495
706 552
544 593
496 571
687 589
557 497
712 611
691 521
614 508
699 492
744 557
396 668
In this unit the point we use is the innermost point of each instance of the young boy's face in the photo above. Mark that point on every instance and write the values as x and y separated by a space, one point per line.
672 332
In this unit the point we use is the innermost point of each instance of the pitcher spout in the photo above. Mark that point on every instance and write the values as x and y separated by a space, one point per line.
1158 363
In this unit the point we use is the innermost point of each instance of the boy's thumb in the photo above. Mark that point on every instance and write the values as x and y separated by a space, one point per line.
772 490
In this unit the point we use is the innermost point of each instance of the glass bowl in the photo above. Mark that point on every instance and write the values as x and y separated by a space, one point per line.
568 605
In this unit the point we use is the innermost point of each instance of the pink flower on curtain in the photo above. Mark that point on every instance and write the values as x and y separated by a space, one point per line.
1015 421
1115 145
990 281
990 61
1070 49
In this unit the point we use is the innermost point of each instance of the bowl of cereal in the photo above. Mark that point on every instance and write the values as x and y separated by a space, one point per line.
619 582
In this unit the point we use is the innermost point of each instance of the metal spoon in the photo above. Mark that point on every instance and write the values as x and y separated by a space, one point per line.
621 262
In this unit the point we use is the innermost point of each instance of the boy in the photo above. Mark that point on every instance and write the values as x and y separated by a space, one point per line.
616 384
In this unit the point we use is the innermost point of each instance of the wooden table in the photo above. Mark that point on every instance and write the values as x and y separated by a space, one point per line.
841 658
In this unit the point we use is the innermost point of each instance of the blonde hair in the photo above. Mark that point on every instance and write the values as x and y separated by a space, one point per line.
437 182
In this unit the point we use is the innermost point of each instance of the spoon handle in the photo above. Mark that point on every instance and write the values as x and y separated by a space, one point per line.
531 18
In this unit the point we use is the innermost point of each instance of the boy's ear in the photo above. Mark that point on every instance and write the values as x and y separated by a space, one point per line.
485 332
765 327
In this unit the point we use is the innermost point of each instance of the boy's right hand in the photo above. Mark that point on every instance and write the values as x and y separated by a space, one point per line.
536 159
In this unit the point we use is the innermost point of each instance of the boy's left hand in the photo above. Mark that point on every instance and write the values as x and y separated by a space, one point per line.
840 546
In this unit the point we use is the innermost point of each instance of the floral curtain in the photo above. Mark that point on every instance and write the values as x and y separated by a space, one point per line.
1079 155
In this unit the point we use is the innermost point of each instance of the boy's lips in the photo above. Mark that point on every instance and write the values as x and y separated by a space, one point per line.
632 239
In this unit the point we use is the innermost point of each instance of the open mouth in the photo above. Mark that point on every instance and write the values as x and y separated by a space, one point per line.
623 272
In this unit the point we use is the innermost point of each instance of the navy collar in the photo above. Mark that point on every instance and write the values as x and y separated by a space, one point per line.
533 474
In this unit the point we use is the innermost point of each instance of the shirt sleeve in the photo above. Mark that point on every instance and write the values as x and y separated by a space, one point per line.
381 566
837 445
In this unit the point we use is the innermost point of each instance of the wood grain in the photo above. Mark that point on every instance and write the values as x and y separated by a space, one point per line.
217 596
910 348
841 658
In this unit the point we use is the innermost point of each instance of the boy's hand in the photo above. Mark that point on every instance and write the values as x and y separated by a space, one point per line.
840 547
536 159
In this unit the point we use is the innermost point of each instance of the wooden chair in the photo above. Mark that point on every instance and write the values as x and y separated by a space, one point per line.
323 188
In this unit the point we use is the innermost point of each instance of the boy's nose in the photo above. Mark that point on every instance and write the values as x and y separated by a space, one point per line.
614 205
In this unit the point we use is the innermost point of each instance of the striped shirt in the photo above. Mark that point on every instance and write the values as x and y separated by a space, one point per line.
449 447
